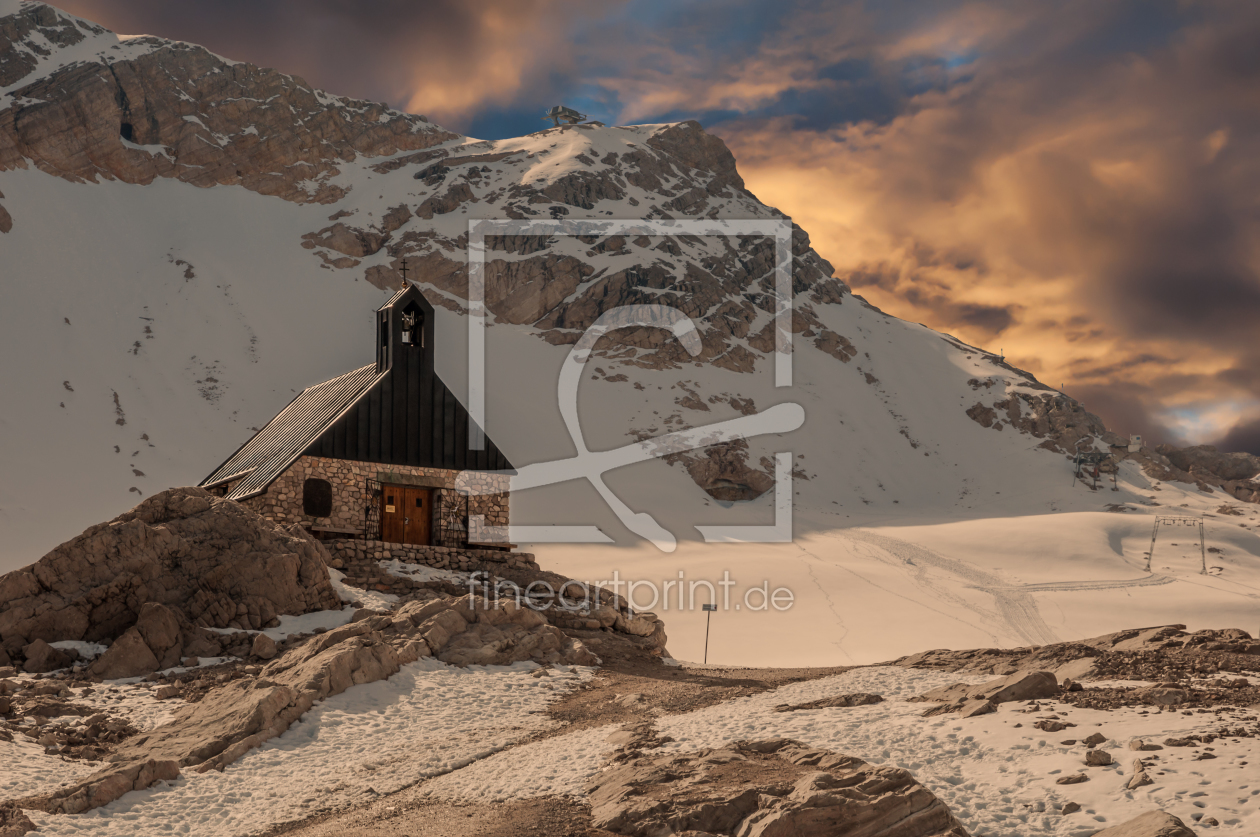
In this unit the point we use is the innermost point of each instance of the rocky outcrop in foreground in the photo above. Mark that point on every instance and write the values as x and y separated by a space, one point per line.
982 698
151 582
14 823
230 720
1146 653
1150 824
765 789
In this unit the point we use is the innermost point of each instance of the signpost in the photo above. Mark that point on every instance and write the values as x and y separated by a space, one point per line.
708 615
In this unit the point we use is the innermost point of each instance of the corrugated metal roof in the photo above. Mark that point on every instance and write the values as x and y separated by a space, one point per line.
282 440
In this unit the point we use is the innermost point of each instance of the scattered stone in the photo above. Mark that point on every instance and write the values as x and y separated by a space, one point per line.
264 647
1075 779
164 692
1094 739
1071 808
1165 696
1097 758
1050 726
1139 778
1179 742
1139 744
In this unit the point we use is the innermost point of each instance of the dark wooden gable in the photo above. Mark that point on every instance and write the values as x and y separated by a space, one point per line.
408 417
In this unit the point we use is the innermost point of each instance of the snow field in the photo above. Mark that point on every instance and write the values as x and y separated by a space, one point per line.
373 739
999 780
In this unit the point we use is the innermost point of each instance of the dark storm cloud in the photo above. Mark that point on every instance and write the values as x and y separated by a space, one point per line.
1077 177
444 58
1244 436
1128 409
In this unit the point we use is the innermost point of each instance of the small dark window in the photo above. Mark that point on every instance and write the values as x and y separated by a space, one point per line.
419 503
317 498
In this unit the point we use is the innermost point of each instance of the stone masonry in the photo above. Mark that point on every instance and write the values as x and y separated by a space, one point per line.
283 499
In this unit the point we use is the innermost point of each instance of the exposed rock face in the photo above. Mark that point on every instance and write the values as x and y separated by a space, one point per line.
1020 686
1207 459
858 699
1065 426
1150 824
765 789
180 560
233 719
200 118
724 473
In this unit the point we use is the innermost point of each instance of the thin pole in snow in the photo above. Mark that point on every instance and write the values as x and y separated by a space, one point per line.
708 615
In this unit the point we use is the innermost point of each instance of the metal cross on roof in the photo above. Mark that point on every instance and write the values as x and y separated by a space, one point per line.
404 269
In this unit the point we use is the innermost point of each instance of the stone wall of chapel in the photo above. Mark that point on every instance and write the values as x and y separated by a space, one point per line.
283 499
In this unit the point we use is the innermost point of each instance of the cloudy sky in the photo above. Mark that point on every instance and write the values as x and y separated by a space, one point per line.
1076 182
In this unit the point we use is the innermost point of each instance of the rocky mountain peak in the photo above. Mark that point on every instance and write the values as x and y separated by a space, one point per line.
80 102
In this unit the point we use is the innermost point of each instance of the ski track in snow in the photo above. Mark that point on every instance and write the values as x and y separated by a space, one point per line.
1067 586
1017 609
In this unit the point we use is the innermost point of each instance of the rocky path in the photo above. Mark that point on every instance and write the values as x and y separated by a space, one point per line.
627 691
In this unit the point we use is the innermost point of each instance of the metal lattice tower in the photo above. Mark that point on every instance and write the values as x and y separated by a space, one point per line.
1196 522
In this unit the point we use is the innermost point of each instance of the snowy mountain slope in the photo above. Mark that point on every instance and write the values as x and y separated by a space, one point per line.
166 293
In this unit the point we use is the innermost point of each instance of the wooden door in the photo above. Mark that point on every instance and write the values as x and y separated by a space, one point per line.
393 513
418 521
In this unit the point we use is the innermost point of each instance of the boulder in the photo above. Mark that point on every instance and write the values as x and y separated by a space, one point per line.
42 658
1139 778
128 656
159 627
765 789
13 821
1150 824
1097 758
199 560
264 647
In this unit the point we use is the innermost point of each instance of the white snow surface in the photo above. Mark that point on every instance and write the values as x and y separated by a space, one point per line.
453 730
999 780
372 739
